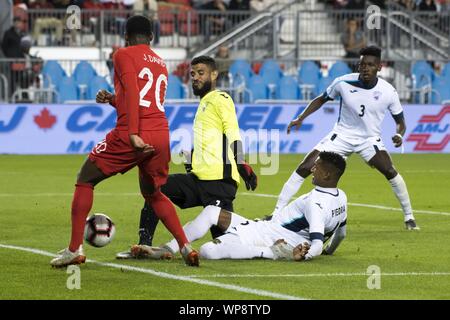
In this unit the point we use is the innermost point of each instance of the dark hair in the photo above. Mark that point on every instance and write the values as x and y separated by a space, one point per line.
139 26
210 62
371 51
335 160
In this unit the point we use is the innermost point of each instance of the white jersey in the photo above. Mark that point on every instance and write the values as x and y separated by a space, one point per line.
315 215
362 109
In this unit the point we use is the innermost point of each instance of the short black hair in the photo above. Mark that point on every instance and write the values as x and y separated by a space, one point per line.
371 51
334 159
139 26
210 62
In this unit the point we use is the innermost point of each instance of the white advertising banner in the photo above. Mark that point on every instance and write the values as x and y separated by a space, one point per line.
75 129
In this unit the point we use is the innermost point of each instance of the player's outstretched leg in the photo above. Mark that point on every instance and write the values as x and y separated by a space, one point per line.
81 205
165 211
83 198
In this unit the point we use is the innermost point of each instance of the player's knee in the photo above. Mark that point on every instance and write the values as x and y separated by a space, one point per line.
210 251
390 173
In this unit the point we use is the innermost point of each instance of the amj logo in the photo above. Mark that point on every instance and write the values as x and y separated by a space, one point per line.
429 125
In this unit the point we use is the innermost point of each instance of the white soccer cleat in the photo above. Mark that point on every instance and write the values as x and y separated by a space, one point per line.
67 257
282 250
411 225
142 251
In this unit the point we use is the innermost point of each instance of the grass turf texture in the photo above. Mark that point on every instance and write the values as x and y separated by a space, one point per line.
35 198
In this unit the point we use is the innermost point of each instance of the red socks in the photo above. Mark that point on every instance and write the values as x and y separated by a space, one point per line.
83 198
165 211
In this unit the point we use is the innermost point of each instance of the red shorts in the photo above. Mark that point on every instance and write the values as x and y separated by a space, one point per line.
115 155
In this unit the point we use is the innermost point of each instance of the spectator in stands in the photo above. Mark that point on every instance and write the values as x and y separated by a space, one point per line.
427 5
149 8
408 4
11 40
223 63
239 5
47 21
353 40
216 23
32 67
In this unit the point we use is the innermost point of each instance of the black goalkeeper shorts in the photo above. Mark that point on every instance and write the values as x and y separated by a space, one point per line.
187 191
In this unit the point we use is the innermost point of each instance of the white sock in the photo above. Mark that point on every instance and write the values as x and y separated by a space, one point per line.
401 192
214 251
199 226
289 189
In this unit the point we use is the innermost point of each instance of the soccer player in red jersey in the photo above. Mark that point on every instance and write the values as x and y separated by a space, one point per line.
140 138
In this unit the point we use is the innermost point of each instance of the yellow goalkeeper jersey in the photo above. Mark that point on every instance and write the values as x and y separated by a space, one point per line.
215 128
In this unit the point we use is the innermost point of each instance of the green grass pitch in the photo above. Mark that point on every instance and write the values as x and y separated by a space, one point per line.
35 198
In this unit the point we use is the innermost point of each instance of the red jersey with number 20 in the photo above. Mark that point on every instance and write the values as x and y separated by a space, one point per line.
140 82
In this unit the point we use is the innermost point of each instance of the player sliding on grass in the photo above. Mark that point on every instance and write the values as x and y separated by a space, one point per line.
365 98
140 138
297 232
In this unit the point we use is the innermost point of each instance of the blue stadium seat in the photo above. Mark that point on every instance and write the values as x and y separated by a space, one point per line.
423 74
83 73
241 67
175 89
257 87
324 83
52 72
288 89
270 69
97 83
338 69
440 85
309 74
67 89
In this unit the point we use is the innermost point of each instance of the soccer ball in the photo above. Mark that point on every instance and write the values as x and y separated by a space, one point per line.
99 230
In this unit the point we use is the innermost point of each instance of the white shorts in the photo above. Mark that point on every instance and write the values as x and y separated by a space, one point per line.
260 234
367 149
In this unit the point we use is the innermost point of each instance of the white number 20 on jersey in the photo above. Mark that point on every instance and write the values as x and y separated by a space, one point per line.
162 78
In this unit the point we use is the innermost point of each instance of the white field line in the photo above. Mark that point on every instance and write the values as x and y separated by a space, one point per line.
262 293
324 275
263 195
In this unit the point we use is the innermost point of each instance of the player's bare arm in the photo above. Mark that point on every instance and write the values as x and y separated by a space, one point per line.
312 107
397 139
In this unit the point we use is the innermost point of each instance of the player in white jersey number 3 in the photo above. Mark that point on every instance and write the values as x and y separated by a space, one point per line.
297 232
364 100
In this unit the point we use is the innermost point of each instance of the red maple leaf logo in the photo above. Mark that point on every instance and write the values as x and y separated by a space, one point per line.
45 120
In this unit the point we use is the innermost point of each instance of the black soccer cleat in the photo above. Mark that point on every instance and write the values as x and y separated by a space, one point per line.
411 225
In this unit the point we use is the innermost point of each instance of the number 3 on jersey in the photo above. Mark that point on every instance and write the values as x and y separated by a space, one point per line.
146 74
363 107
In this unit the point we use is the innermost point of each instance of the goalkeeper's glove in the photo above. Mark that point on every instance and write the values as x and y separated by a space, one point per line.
187 160
247 174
